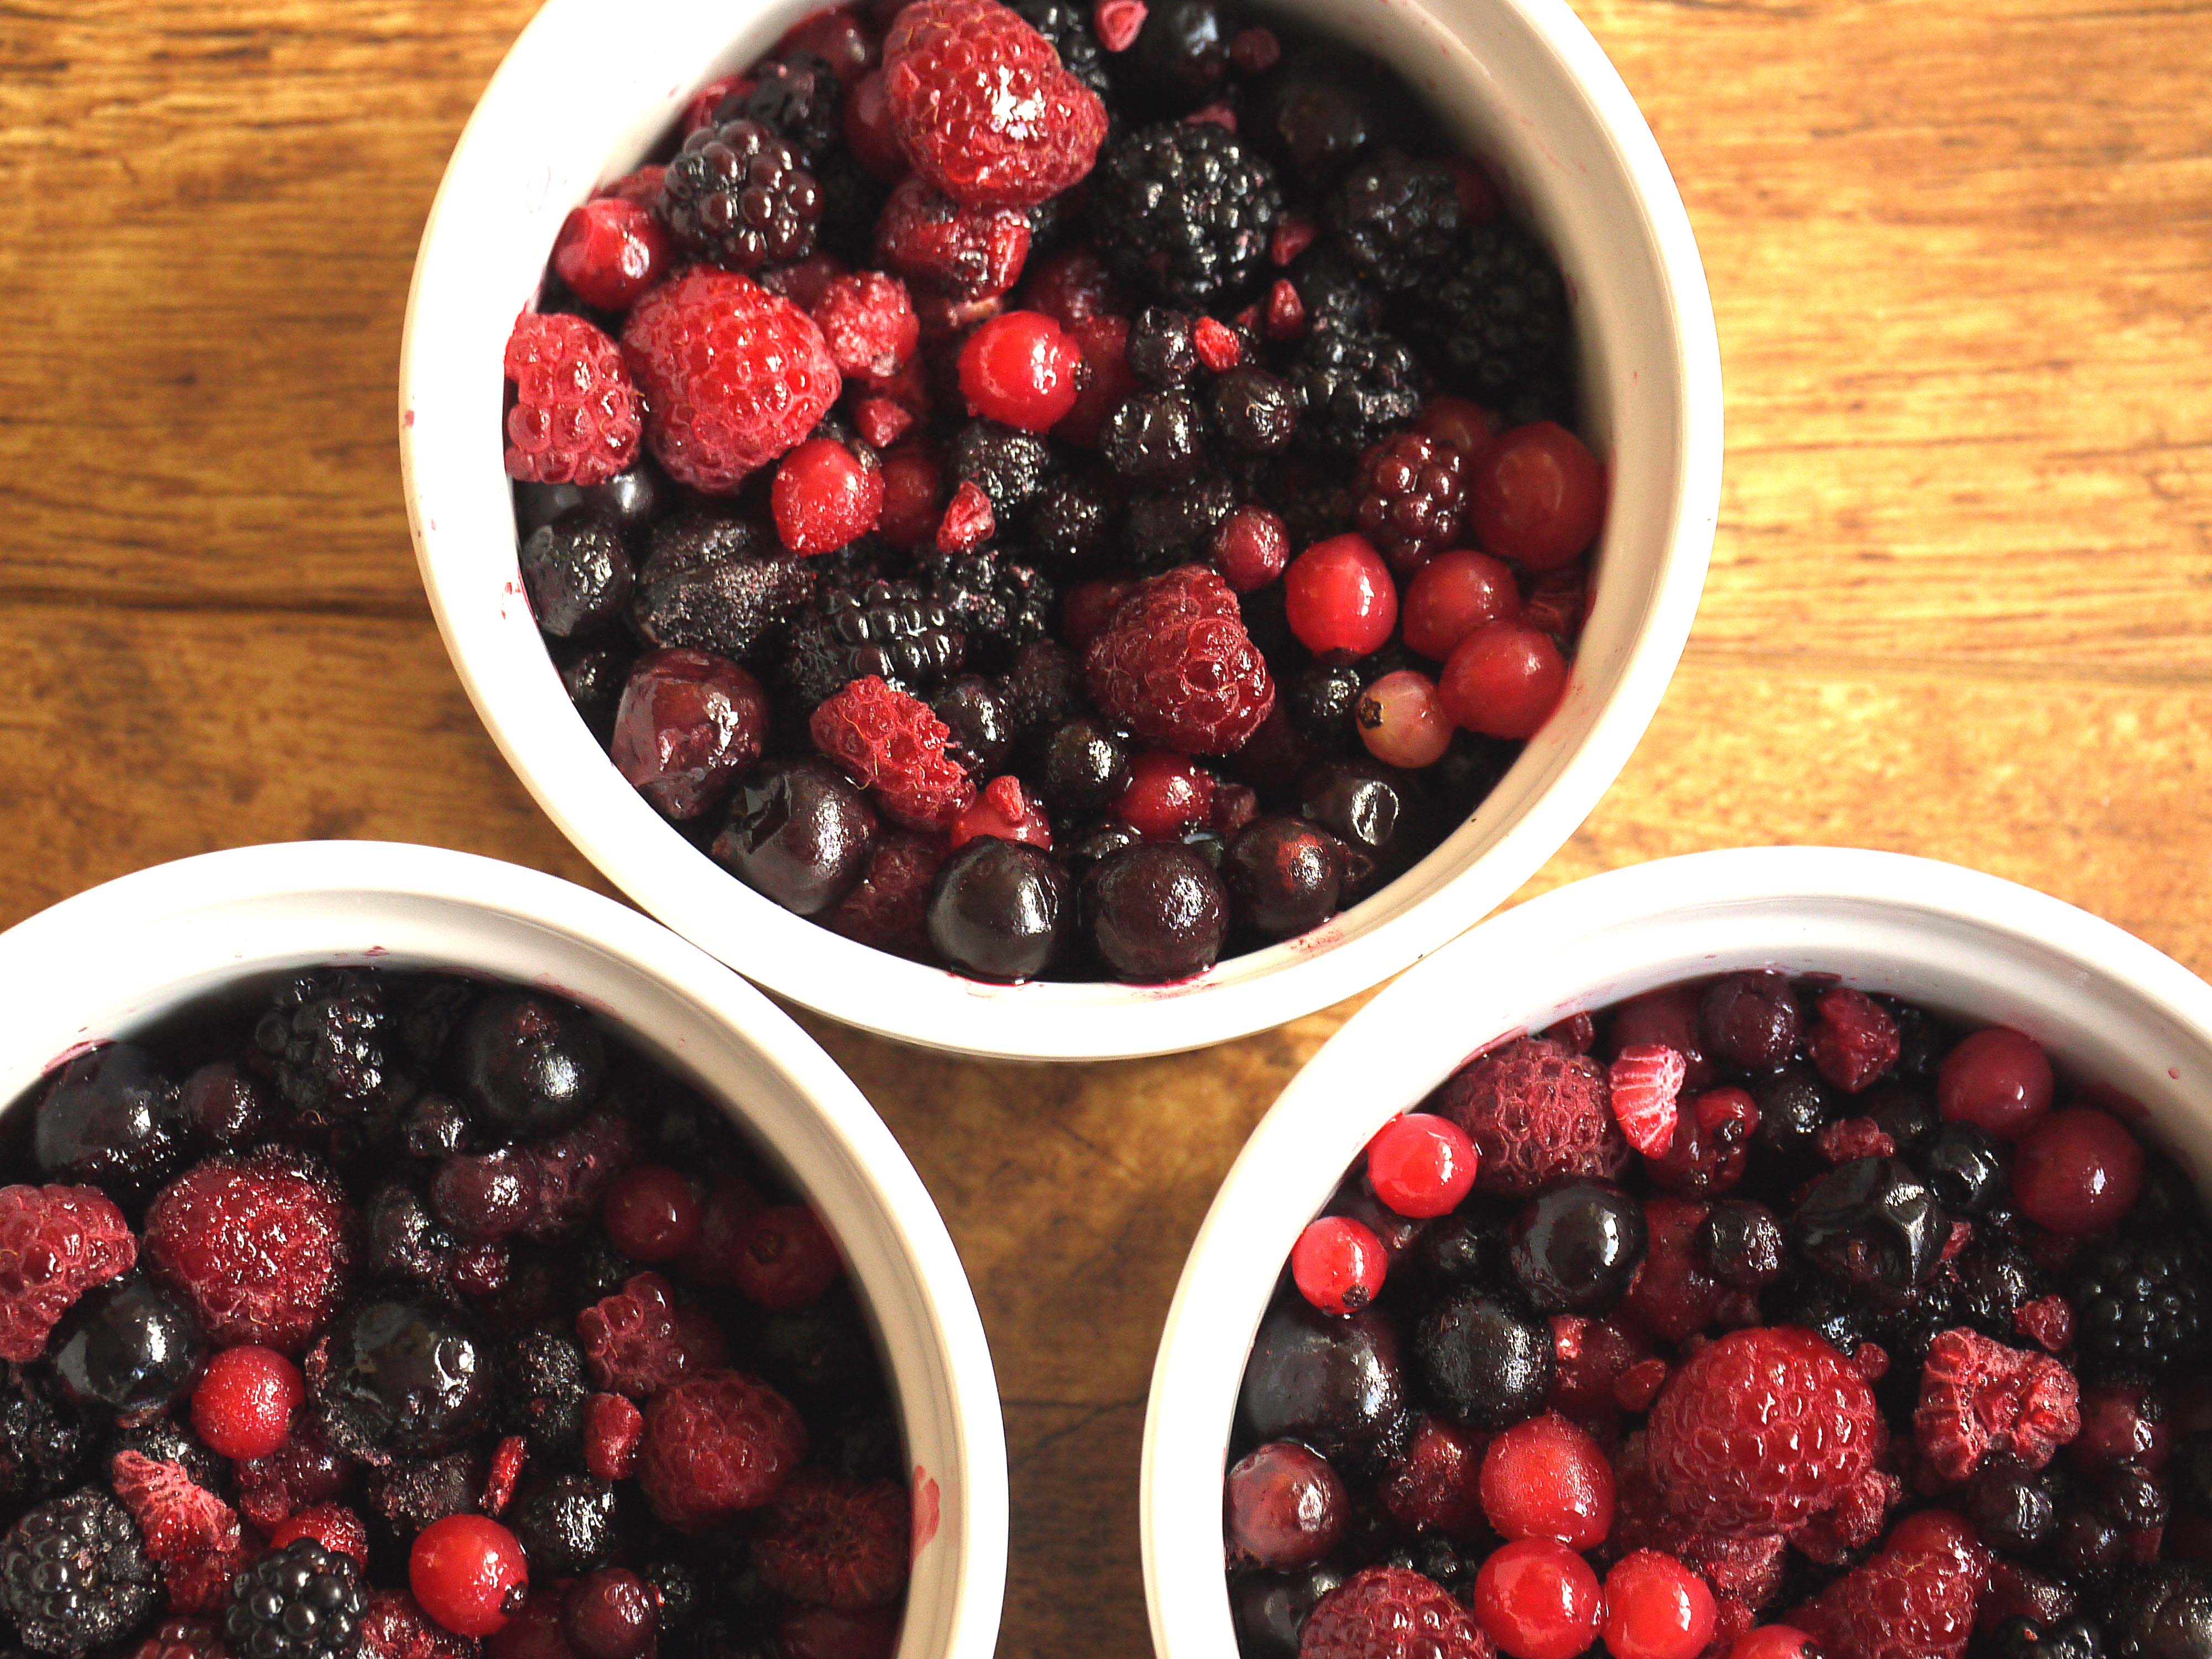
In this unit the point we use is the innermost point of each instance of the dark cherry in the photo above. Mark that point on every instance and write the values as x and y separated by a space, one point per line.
1873 1223
1335 1382
399 1378
2135 1498
2011 1505
1181 53
630 499
798 833
610 1615
1156 911
568 1524
1484 1364
1575 1249
1096 843
974 711
1283 1507
1320 700
1271 1609
1742 1244
1285 876
223 1106
594 673
577 572
1001 910
1086 767
487 1198
1794 1106
1372 811
129 1346
1751 1021
532 1063
1964 1168
110 1119
1463 1249
689 724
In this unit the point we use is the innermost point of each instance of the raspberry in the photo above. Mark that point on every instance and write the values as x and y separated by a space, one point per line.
574 1169
963 252
1392 1612
868 323
639 1342
2047 1322
577 413
395 1627
1643 1082
740 196
1978 1396
889 741
733 375
613 1425
1537 1114
183 1639
1176 665
507 1460
181 1521
889 908
1855 1040
1003 808
1760 1431
1852 1522
261 1245
333 1526
1914 1599
834 1542
56 1244
1848 1138
982 106
968 522
202 1585
715 1446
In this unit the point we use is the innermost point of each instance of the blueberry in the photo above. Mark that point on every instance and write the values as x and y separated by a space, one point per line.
532 1063
1157 912
1485 1365
1375 813
982 725
1794 1107
594 673
1086 767
798 833
1873 1223
110 1119
2011 1506
127 1346
1964 1168
223 1106
1335 1382
2134 1498
1001 910
566 1523
1742 1244
1182 52
1462 1249
401 1379
1285 876
1575 1249
1751 1021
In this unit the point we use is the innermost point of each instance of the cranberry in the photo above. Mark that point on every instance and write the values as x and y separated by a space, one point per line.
1538 496
785 1259
1467 426
610 251
1998 1080
2078 1171
1421 1164
1503 680
1157 912
1773 1641
824 495
689 723
1165 795
1020 369
1656 1608
1003 808
650 1212
1251 549
1402 721
869 131
913 486
1454 594
1338 596
1284 876
610 1615
1537 1600
1338 1264
1286 1507
1547 1479
468 1574
244 1404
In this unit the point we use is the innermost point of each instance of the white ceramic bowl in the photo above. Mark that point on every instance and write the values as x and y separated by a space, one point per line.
2110 1009
109 962
581 97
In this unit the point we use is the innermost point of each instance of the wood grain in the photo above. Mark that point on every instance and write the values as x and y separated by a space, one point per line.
1961 256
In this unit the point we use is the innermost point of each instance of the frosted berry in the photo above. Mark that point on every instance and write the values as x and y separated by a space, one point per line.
1021 367
1547 1478
1339 597
868 323
1656 1608
610 1615
1538 1114
1537 1600
965 254
2078 1171
1503 680
1421 1165
244 1402
468 1574
261 1246
890 743
1338 1265
1176 665
577 413
1538 496
825 496
1996 1079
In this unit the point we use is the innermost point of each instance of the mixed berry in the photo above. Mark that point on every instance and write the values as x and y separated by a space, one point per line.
405 1318
1052 490
1752 1318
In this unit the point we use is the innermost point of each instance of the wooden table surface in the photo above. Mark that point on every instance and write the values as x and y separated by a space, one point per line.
1962 603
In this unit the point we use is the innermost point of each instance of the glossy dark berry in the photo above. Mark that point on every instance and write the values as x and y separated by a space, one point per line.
531 1063
981 725
399 1378
1070 527
1963 1169
128 1347
1271 1609
1161 351
1169 527
1464 1249
541 1387
73 1576
1001 604
1751 1021
1498 321
740 195
577 572
1873 1222
109 1119
1355 388
1481 1363
610 1615
1575 1249
1906 1115
1255 412
1285 876
1741 1244
1183 210
1086 767
1181 56
893 630
1794 1106
798 96
1001 910
335 1046
1284 1507
1158 911
1397 218
567 1523
2139 1306
1067 27
1370 810
42 1441
594 673
798 833
1010 466
1333 1381
2136 1497
630 499
302 1602
2013 1507
1154 438
223 1106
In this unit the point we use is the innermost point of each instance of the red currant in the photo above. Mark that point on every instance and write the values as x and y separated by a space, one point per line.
610 251
1165 795
1656 1608
1772 1642
1547 1478
1454 594
1338 1264
1251 549
1421 1164
1467 426
244 1404
2078 1171
825 496
1997 1079
650 1212
1020 369
1286 1507
1537 1600
913 496
1104 341
1003 808
1504 680
468 1574
1401 720
1537 496
785 1259
1338 596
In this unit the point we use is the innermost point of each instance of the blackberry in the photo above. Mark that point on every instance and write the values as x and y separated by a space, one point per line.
594 673
1499 320
74 1575
1070 529
2139 1306
1161 351
411 1493
1068 27
1154 438
1008 465
1184 212
1411 494
797 98
1993 1283
1356 387
1397 219
302 1602
41 1440
1255 411
567 1523
335 1048
1000 604
542 1390
1334 293
1174 527
1043 687
1315 503
892 629
737 194
577 572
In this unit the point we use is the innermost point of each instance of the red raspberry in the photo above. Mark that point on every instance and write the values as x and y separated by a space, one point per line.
1117 23
303 1471
1760 1431
637 1341
261 1246
397 1628
56 1244
1643 1082
613 1425
331 1525
2047 1322
1004 809
716 1446
1978 1396
868 323
889 741
183 1639
982 107
1392 1613
507 1460
834 1542
1537 1114
574 1169
1855 1042
733 375
1176 666
1438 1482
576 416
890 909
1591 1356
968 522
202 1584
1672 1295
1852 1522
1914 1599
956 252
1850 1139
182 1520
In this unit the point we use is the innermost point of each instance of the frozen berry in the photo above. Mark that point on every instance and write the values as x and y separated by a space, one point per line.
1574 1248
1339 596
1656 1608
1421 1165
1401 719
689 724
577 572
1338 1265
609 250
889 741
1996 1079
56 1244
610 1615
1537 1600
1484 1364
1392 1612
799 833
1164 795
127 1347
398 1378
1158 911
1504 680
1454 594
1335 1382
1538 496
1547 1478
1286 1507
825 496
1751 1021
1284 876
109 1119
532 1064
784 1259
717 1446
1001 910
1020 368
651 1212
244 1402
2078 1171
469 1573
1176 664
577 413
261 1246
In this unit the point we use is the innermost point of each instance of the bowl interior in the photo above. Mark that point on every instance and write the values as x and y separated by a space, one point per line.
2110 1009
137 952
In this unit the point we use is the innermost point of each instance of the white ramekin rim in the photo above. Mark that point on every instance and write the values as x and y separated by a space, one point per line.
339 887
